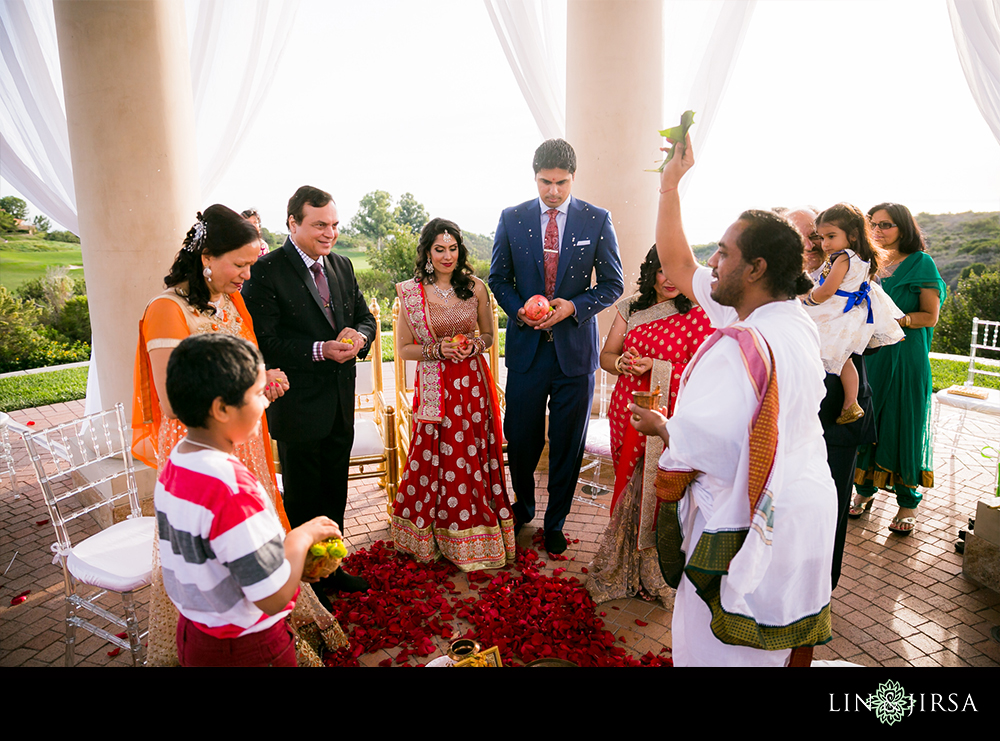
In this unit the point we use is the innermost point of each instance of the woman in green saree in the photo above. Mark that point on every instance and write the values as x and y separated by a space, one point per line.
900 375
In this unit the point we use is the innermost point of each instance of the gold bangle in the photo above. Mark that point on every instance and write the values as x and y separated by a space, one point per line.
618 364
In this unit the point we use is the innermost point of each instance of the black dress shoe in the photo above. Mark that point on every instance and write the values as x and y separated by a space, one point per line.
344 582
555 542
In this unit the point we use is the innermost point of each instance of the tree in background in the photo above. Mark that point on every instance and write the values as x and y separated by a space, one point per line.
15 206
390 264
41 223
273 240
374 218
410 213
389 237
978 295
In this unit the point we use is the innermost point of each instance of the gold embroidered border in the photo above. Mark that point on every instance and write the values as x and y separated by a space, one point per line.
882 479
709 563
411 296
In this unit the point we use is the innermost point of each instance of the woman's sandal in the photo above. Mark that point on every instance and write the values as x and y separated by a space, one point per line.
902 525
852 414
858 507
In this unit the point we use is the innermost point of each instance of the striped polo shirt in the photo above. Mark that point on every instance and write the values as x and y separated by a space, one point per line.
221 543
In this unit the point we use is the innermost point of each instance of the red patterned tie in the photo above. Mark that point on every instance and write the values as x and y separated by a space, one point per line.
551 250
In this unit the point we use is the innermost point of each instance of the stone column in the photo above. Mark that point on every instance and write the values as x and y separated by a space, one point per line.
614 101
127 84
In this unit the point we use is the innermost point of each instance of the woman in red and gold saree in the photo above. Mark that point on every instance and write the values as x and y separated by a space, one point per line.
452 499
654 336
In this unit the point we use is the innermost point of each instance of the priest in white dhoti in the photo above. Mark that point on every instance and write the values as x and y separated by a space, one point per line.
748 507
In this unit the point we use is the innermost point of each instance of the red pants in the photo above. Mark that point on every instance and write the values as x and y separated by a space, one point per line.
272 647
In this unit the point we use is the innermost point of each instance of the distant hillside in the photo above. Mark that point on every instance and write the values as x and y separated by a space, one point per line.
962 242
959 243
704 251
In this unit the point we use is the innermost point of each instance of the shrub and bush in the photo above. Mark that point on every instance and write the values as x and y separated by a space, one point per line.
978 295
46 322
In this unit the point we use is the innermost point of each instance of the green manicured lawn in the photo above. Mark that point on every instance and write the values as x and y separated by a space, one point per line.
24 258
953 373
39 389
358 258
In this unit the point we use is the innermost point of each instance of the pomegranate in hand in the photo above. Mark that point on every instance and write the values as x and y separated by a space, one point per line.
536 308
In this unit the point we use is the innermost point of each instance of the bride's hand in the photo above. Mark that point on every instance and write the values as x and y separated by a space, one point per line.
451 350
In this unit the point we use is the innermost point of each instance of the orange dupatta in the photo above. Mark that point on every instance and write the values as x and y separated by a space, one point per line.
147 415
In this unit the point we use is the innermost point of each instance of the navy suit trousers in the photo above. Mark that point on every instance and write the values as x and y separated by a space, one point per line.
569 400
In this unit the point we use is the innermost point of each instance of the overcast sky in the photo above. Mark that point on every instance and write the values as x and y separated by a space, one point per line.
830 101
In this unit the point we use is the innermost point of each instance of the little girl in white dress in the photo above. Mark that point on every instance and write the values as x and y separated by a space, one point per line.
851 312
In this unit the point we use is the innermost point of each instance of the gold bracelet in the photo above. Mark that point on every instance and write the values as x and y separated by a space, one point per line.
618 364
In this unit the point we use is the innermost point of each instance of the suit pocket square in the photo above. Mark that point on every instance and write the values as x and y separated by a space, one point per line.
583 243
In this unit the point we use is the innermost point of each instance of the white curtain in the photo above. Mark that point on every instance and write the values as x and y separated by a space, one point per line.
701 43
976 26
235 46
235 49
533 36
34 144
702 40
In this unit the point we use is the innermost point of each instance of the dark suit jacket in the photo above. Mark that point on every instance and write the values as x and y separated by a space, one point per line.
288 319
517 272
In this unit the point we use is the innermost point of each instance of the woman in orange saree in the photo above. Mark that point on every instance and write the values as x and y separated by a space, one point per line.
202 296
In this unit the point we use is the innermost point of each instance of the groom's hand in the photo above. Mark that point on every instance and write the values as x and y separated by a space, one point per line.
563 309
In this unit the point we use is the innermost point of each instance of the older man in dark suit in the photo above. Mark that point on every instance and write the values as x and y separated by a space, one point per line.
312 322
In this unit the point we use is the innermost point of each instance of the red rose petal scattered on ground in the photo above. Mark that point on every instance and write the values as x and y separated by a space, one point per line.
30 424
641 623
524 613
117 650
585 570
42 522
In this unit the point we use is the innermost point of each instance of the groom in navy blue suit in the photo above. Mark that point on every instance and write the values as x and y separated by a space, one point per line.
552 245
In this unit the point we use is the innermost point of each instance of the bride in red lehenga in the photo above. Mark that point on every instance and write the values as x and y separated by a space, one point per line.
452 498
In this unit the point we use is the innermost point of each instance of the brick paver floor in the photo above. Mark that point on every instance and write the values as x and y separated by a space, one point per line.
901 601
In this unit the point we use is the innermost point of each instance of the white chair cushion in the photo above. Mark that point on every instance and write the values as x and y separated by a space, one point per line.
598 437
989 405
367 439
119 558
365 378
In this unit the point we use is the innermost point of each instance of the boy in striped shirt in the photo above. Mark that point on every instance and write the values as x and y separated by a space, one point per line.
227 564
